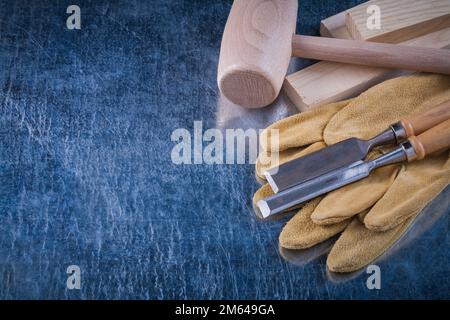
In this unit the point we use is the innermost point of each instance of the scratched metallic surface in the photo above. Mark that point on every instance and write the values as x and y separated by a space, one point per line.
86 176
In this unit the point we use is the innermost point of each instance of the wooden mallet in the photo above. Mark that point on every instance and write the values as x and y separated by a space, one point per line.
259 40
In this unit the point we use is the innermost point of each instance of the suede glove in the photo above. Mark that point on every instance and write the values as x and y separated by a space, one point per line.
373 213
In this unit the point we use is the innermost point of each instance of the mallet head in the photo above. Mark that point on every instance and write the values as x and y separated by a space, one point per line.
255 50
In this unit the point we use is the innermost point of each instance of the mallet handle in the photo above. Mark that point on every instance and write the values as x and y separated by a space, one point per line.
385 55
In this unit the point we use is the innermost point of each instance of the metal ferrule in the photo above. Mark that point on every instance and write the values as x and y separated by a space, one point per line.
399 132
397 155
409 151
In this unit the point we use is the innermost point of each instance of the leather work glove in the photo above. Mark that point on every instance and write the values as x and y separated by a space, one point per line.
373 213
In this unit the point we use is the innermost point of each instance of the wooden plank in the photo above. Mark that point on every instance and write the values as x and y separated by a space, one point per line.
334 27
400 19
326 82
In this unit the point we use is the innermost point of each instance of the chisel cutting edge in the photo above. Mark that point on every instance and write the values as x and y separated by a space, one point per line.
351 150
415 148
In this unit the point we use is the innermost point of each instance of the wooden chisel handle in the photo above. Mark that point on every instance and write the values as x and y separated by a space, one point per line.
432 140
386 55
416 124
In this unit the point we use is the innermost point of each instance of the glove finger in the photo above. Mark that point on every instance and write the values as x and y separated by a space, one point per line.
266 161
377 108
358 246
354 198
301 233
415 186
300 129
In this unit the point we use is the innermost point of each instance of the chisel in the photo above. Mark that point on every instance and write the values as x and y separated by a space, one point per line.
351 150
415 148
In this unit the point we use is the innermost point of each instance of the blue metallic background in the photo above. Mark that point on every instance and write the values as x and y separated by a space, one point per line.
86 176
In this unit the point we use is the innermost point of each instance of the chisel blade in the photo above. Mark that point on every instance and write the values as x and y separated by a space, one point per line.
293 197
310 189
317 163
